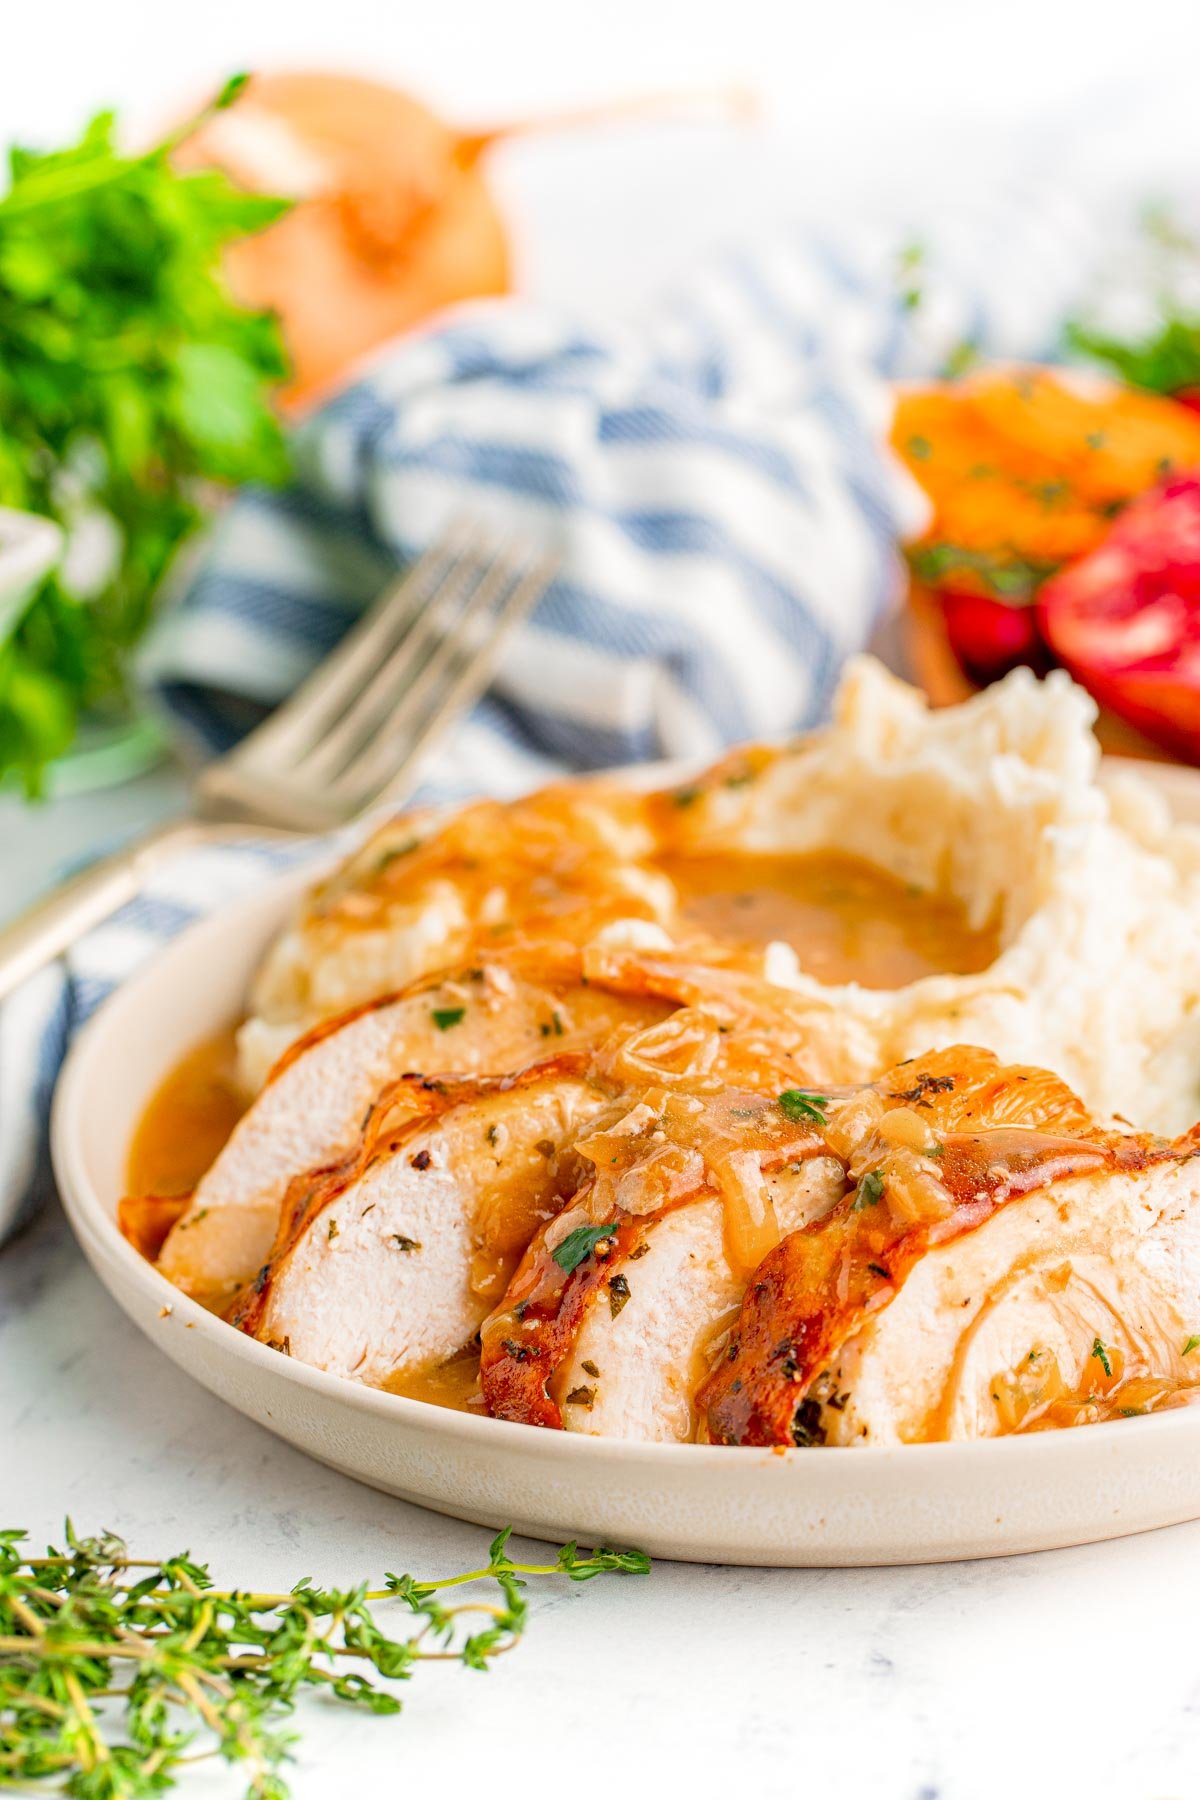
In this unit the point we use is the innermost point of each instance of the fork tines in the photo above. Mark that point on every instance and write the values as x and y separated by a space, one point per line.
413 665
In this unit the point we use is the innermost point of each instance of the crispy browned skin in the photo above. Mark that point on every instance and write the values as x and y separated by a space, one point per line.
532 1333
821 1283
534 1329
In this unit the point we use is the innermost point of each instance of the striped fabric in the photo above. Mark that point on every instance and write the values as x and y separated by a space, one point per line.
714 474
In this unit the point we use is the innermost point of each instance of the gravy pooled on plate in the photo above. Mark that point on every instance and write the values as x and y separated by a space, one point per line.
188 1120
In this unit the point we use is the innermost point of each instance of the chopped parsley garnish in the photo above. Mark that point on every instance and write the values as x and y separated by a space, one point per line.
1100 1352
404 1243
618 1294
579 1244
687 796
870 1191
920 448
582 1396
803 1106
333 1230
878 1269
1192 1344
446 1016
1013 578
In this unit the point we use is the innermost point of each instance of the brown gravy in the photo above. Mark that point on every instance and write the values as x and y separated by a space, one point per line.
454 1384
188 1120
846 919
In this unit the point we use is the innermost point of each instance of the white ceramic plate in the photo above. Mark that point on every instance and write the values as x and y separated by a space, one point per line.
920 1503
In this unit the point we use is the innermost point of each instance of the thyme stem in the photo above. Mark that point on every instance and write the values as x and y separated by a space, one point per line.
118 1673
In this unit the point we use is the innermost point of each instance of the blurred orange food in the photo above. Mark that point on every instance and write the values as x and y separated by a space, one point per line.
1026 468
393 217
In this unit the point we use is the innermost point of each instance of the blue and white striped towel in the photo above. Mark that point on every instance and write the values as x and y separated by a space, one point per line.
716 479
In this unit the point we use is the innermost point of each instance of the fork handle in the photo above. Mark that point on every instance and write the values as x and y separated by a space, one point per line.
47 928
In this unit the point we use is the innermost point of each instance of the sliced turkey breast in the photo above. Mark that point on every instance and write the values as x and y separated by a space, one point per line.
1002 1261
603 1328
388 1263
493 1018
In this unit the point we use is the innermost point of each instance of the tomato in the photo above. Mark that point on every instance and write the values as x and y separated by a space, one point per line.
990 636
1126 618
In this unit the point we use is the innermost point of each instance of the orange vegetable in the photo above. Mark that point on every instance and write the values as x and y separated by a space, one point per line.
1026 468
394 219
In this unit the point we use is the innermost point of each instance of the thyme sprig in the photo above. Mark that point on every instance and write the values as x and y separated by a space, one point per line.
118 1673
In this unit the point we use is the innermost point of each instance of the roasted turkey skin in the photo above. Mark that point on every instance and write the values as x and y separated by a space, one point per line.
993 1232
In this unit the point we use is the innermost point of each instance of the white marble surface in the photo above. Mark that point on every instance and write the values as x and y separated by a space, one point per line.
1067 1674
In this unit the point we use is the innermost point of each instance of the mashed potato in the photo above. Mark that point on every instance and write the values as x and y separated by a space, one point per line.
996 804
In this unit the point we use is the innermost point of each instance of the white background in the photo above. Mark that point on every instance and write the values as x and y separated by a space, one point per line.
1049 1676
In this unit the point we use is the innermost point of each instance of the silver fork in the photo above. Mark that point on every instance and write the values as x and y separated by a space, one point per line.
348 740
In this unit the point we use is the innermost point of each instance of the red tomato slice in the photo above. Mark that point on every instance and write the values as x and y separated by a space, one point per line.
990 637
1126 619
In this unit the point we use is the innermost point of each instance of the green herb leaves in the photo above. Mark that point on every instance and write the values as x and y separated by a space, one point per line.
115 1674
1100 1352
128 379
804 1107
1165 360
870 1191
579 1244
1192 1344
618 1294
1012 579
444 1017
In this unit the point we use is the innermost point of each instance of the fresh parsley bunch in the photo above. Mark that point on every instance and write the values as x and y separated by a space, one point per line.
129 380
